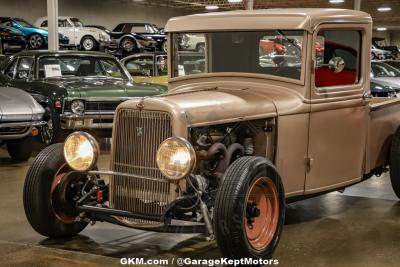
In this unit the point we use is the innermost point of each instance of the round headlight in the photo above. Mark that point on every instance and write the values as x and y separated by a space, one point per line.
81 151
77 106
176 158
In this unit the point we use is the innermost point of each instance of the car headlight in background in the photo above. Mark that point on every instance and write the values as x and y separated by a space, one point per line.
77 106
176 158
81 151
104 37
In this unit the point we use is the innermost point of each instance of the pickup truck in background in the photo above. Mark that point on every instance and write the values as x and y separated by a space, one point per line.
239 134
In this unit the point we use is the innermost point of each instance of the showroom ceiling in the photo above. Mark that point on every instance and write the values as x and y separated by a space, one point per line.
391 19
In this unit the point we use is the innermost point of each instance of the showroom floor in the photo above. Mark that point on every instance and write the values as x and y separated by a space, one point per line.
360 227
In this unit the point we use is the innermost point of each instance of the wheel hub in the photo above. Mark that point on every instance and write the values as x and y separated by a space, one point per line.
252 212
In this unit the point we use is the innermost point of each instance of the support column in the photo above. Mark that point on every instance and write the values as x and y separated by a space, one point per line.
250 4
52 21
357 4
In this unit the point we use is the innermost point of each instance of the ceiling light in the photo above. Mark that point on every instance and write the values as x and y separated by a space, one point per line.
336 1
381 29
235 1
384 9
212 7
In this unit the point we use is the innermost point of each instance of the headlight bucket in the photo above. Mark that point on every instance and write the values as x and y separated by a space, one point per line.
176 158
81 151
77 106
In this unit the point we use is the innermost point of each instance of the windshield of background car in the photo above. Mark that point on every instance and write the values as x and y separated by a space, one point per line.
24 23
76 22
70 66
272 52
380 69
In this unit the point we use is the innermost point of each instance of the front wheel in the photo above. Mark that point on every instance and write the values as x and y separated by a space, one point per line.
164 46
51 191
249 209
128 45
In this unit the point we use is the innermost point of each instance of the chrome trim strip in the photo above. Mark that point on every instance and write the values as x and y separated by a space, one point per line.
110 173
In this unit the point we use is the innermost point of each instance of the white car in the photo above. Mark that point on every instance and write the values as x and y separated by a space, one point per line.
87 38
193 42
380 54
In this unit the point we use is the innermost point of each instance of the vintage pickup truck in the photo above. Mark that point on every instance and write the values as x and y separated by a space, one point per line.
238 135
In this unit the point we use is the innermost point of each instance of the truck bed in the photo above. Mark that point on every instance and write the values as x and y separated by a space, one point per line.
383 122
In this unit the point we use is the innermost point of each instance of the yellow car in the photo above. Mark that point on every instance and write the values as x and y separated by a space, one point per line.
147 67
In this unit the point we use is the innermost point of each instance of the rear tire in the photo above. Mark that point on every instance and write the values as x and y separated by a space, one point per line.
21 149
249 209
395 163
128 46
88 43
46 214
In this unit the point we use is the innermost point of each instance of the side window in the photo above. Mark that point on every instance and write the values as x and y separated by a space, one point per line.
10 70
338 57
24 68
62 23
44 24
127 28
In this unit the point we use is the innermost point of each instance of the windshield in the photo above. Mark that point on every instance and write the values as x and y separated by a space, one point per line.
271 52
24 23
76 22
380 69
76 66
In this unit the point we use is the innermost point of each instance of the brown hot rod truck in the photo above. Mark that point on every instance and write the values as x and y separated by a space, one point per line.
240 133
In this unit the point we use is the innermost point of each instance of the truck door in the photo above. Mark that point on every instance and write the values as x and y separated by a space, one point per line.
339 113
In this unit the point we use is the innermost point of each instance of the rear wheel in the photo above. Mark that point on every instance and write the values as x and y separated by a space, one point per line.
128 45
250 209
21 149
35 41
51 191
88 43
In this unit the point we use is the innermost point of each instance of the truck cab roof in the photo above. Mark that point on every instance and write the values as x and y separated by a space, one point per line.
284 19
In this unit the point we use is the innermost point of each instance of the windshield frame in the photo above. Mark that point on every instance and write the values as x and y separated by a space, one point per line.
22 21
126 76
171 58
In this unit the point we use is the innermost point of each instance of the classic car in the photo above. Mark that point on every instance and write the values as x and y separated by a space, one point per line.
383 71
147 30
87 38
394 49
384 88
377 53
193 42
147 67
12 39
36 37
20 120
80 90
126 43
232 141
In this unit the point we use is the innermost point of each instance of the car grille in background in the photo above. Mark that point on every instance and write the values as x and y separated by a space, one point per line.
137 137
104 106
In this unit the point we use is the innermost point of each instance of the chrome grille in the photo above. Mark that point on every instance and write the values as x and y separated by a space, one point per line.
137 137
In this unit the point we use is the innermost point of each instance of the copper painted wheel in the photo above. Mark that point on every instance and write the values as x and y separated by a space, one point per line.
262 212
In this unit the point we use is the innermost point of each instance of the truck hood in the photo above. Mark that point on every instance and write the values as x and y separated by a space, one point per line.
17 105
85 88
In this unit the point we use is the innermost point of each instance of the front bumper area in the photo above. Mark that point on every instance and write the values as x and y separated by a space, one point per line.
18 130
87 121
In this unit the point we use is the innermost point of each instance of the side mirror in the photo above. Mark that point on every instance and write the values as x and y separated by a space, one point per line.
337 64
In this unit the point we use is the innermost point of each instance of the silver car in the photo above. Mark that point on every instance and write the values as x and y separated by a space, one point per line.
20 120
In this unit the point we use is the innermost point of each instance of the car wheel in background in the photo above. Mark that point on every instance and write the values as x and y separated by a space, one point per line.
35 41
88 43
51 132
249 210
128 46
21 149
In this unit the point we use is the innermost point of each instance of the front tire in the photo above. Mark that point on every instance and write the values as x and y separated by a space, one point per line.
21 149
47 195
250 209
128 46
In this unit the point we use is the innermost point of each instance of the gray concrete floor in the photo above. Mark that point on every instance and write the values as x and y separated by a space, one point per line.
360 227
